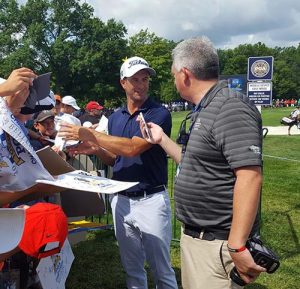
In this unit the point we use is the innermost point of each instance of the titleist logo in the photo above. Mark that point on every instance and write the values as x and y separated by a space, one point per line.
135 62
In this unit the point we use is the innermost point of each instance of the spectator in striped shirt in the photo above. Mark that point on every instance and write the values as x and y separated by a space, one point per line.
217 186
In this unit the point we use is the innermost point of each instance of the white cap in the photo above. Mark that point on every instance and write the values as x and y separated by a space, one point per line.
12 221
68 118
70 100
134 64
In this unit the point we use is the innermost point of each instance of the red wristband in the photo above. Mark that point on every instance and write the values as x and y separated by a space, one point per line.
232 250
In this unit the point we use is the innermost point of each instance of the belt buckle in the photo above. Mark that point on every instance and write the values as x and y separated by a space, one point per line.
207 236
201 234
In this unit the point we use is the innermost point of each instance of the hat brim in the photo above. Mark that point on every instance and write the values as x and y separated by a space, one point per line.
73 105
70 102
99 107
12 222
137 68
44 118
76 107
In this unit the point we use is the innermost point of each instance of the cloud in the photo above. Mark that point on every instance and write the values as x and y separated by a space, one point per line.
228 23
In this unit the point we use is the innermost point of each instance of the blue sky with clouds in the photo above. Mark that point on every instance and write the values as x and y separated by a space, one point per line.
227 23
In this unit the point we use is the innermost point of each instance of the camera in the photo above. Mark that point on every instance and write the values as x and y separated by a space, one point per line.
262 256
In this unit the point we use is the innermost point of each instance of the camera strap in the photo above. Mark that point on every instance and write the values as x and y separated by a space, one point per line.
193 116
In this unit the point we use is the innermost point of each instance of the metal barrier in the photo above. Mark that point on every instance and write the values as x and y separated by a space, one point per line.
92 163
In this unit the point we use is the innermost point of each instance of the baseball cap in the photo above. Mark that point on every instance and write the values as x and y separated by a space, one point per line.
39 231
68 118
134 64
93 105
40 95
70 100
12 223
44 104
44 114
45 231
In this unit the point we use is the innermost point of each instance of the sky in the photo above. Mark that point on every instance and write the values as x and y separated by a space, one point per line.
227 23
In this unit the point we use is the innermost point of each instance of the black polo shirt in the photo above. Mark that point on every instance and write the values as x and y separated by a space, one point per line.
150 168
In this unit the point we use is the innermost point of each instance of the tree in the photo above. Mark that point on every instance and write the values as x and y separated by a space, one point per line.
286 73
62 36
235 61
157 51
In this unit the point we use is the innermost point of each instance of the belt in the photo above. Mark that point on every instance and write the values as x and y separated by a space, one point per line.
203 234
143 193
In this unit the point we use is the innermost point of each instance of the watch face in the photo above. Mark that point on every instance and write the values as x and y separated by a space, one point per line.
260 68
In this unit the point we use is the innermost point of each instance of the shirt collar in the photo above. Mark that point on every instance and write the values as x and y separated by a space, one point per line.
209 96
145 106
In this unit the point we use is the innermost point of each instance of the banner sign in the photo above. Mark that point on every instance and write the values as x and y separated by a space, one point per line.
260 93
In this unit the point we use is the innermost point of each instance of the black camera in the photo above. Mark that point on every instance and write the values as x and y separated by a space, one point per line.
183 135
262 256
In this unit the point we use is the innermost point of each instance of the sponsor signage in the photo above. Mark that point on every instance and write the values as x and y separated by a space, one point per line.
236 81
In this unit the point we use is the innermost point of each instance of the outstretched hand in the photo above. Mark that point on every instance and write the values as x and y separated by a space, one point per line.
156 131
69 131
85 148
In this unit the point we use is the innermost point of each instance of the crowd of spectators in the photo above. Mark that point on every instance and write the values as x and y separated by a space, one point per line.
24 133
178 106
286 102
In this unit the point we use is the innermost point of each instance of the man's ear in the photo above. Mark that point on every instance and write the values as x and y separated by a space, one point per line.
122 82
187 76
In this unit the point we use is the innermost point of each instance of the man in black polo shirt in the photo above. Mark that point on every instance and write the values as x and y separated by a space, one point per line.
217 188
142 214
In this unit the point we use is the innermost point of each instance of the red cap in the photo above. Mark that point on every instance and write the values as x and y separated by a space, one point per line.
45 223
93 105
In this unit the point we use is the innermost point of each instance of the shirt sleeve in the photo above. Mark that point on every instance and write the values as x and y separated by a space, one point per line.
238 133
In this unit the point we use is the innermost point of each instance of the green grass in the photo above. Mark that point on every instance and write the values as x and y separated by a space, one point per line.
177 118
97 262
272 116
